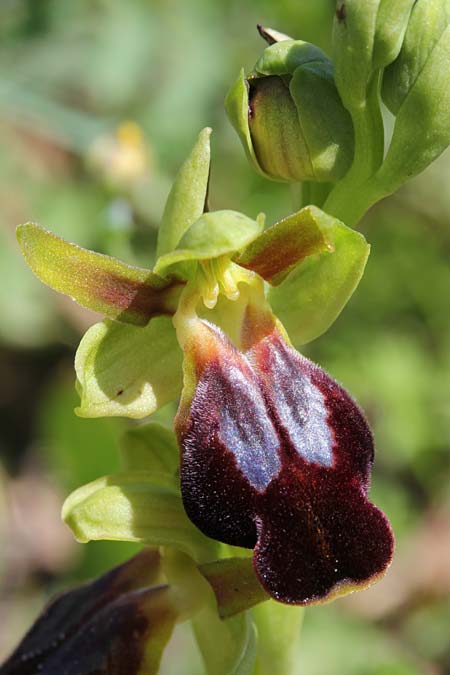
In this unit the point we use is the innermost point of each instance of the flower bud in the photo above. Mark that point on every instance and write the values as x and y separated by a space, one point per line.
428 26
416 90
367 36
289 116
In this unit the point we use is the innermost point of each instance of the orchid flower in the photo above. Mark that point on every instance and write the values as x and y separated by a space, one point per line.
274 455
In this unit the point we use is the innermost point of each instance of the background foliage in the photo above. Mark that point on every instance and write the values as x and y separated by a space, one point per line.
70 74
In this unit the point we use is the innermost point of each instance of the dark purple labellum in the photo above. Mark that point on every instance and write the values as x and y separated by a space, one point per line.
276 456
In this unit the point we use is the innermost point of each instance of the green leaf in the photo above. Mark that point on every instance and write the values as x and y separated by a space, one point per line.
128 371
283 246
187 198
278 628
99 282
151 447
133 506
212 235
314 294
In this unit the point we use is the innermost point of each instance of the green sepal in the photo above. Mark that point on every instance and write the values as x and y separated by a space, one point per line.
316 291
278 628
236 106
326 124
134 506
280 248
98 282
422 125
187 199
150 447
353 43
128 371
283 58
427 24
213 235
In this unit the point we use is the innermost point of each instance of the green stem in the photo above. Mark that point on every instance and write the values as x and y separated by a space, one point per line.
306 193
299 192
309 192
319 193
356 192
279 629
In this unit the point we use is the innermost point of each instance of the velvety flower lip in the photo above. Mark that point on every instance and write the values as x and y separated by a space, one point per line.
276 456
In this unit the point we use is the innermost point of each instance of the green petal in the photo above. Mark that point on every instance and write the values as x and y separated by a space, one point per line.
133 506
151 447
126 370
314 294
99 282
212 235
187 198
236 106
282 58
284 245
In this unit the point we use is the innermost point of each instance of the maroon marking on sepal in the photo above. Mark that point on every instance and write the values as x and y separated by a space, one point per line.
133 297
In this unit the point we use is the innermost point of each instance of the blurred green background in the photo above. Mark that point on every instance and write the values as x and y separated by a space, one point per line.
100 101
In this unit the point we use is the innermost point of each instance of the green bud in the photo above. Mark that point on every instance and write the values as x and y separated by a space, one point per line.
367 36
392 21
428 25
289 115
416 89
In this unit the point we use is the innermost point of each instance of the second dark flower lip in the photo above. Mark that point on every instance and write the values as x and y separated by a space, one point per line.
276 456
